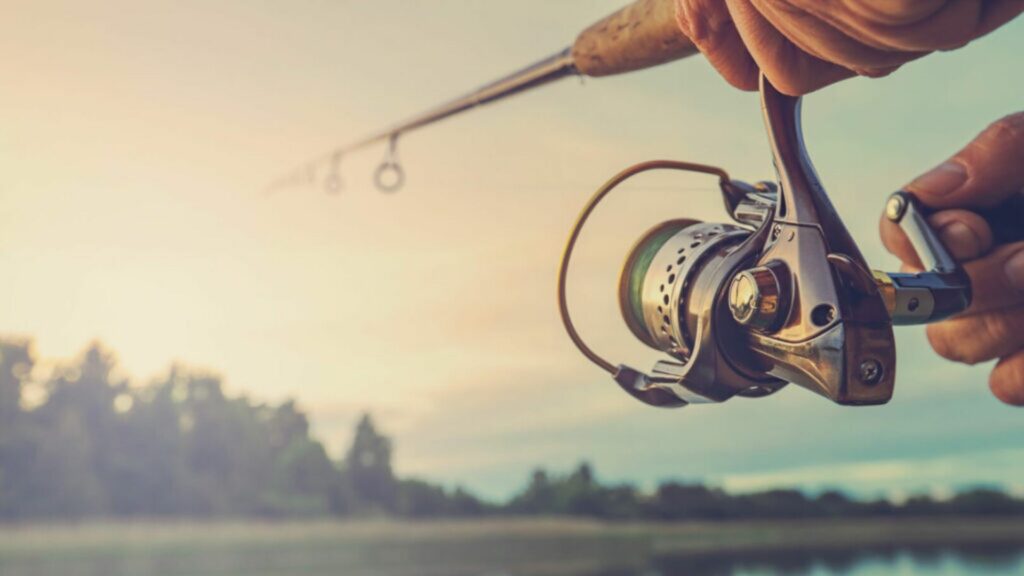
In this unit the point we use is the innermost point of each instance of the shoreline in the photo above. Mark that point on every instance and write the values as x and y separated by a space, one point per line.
698 535
521 546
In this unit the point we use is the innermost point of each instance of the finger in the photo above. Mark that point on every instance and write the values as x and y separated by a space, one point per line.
980 337
709 26
965 235
918 26
825 37
791 70
1007 379
998 12
984 173
997 280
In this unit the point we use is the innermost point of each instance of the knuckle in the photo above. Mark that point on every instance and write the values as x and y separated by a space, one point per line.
994 331
1007 130
702 23
972 355
1013 373
1012 394
942 342
978 338
1007 381
888 232
876 72
792 83
685 18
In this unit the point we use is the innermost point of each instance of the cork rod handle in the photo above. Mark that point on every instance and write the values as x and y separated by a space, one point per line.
641 35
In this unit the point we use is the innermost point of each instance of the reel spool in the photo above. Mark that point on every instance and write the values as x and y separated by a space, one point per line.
780 295
654 294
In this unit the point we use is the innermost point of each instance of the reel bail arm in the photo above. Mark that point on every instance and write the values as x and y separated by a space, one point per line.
783 295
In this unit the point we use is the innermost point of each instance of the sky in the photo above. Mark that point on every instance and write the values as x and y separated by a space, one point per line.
137 140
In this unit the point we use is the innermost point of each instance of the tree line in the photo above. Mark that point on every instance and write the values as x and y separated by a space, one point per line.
81 442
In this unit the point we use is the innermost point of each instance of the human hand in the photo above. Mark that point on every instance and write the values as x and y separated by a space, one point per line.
804 45
986 173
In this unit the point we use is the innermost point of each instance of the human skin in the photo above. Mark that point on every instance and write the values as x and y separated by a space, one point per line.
804 45
983 174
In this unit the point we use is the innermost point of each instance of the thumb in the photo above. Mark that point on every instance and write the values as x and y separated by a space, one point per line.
984 173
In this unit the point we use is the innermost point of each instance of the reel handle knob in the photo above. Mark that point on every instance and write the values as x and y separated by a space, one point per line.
943 290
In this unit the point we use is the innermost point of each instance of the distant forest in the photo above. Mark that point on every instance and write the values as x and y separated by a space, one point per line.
80 442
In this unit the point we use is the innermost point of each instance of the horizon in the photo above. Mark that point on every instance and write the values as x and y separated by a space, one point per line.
97 369
35 392
136 149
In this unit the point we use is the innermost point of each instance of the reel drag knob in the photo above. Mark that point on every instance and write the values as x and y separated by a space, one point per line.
755 298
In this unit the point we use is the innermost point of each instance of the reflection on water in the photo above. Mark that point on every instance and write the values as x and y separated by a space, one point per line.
975 560
331 551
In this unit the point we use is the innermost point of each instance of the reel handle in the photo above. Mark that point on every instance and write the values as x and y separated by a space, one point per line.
944 289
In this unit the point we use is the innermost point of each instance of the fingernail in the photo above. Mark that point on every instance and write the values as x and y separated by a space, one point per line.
1014 270
960 240
942 180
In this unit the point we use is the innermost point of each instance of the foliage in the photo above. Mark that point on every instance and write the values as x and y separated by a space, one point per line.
79 441
368 464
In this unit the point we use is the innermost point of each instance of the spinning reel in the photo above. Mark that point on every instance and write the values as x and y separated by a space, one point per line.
781 295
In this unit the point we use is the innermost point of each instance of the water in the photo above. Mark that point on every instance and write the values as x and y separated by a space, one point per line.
532 547
978 560
892 562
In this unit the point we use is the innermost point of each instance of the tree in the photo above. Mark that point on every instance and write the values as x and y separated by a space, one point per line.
95 445
16 362
368 468
677 501
576 494
419 499
538 497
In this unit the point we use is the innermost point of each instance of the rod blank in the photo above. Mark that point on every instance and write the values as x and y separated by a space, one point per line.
547 70
641 35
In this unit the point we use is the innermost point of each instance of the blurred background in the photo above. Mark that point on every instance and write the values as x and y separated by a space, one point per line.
302 373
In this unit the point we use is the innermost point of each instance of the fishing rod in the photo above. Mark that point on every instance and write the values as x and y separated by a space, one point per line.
780 295
641 35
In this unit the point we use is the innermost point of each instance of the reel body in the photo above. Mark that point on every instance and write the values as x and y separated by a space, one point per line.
781 295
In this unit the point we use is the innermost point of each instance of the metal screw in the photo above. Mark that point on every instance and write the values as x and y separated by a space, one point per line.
776 230
870 371
913 304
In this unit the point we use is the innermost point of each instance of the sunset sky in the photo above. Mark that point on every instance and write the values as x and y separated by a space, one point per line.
137 140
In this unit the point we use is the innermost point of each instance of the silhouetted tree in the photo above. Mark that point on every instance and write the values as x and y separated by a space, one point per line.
17 434
80 441
676 501
538 497
368 468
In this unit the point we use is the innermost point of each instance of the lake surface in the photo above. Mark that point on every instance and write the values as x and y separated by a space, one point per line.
900 562
517 547
980 560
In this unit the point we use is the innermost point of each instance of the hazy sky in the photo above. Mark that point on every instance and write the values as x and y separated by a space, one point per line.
136 139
